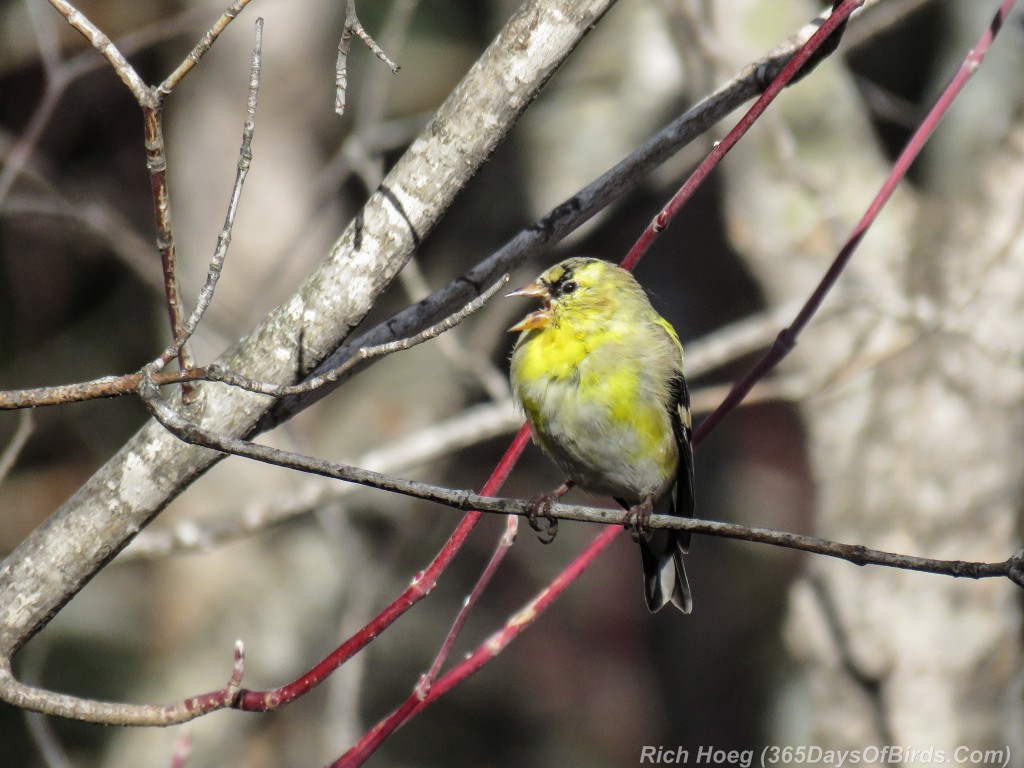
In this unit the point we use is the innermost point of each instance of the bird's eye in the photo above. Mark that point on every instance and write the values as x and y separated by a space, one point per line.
570 286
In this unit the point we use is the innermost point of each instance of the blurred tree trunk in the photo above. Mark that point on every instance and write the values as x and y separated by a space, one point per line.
912 392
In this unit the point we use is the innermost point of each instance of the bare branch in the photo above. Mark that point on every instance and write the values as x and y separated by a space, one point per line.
505 542
374 90
103 44
21 435
215 373
224 239
467 428
200 49
563 219
117 386
353 27
469 501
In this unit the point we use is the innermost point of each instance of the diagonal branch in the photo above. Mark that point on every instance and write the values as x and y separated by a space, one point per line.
787 338
55 561
565 217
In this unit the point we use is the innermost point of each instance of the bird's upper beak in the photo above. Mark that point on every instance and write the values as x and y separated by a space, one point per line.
541 317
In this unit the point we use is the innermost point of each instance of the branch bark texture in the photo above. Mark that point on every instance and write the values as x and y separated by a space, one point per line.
60 557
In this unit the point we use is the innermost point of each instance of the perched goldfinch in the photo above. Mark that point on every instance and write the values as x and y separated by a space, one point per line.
599 375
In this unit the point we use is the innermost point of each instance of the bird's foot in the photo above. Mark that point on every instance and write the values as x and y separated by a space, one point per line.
638 519
540 507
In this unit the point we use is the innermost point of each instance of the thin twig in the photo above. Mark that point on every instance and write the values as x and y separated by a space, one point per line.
18 439
102 43
215 373
156 164
117 386
505 542
353 27
200 49
374 90
224 239
94 389
467 428
787 338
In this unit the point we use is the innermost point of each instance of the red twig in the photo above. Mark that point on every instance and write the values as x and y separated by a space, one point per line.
791 70
422 585
788 336
508 537
485 653
366 746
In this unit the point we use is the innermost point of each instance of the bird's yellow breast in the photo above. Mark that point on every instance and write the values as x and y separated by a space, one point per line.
605 422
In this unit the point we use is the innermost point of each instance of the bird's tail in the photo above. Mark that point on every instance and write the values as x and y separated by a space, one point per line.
664 574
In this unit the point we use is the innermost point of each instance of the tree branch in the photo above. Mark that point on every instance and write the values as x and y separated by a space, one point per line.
57 559
353 27
563 219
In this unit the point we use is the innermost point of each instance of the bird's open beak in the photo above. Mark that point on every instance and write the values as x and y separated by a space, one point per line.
541 317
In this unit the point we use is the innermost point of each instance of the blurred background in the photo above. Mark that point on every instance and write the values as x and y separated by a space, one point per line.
597 677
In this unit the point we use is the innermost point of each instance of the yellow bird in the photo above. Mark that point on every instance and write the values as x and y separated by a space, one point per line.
599 375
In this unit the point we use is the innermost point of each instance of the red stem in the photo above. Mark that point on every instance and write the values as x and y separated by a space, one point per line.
787 338
488 650
507 539
721 149
422 585
368 744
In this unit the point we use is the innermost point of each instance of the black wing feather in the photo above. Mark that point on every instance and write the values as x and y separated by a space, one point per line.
682 492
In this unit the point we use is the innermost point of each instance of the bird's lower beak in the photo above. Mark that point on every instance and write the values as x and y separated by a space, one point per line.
541 317
538 319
